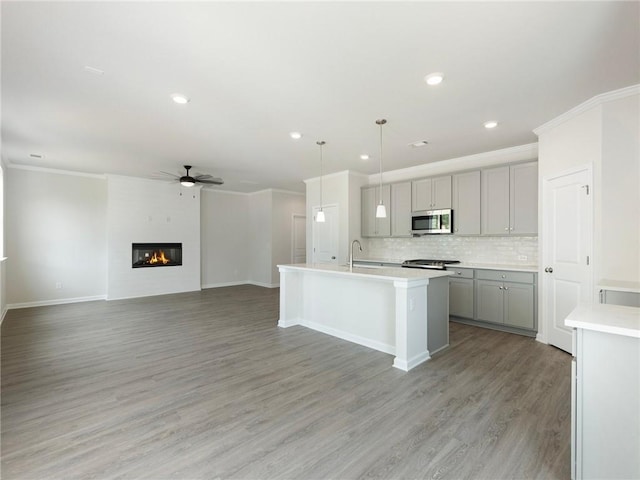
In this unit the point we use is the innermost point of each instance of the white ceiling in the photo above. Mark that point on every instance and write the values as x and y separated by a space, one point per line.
257 71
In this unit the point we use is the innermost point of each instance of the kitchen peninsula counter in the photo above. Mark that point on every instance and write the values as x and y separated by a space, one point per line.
400 311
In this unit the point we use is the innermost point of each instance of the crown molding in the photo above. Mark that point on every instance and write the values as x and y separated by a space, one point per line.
337 174
588 105
55 171
469 162
277 190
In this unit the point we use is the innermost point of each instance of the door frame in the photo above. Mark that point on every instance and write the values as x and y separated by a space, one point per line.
293 234
545 320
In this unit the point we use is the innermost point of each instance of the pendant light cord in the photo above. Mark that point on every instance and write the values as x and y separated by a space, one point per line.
381 123
321 143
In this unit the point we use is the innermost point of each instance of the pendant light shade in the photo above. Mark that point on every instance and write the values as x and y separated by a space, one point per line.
381 211
320 214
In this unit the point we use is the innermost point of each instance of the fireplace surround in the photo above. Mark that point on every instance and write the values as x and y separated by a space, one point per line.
147 255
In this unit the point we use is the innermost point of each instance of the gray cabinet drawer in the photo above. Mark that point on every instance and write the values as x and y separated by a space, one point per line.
460 272
505 276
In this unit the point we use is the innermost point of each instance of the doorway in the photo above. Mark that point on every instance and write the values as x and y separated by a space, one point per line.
566 256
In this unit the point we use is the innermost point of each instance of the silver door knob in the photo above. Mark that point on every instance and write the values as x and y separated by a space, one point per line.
549 269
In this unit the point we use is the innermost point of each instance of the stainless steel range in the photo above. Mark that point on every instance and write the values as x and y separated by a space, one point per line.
431 264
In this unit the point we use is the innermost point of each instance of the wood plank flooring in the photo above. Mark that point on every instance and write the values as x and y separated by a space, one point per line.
204 385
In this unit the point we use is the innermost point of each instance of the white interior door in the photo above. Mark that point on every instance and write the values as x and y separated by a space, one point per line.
325 235
299 239
566 281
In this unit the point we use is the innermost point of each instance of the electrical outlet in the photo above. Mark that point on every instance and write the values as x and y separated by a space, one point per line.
58 285
523 257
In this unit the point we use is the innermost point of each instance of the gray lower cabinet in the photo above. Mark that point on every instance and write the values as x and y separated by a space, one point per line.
461 297
500 299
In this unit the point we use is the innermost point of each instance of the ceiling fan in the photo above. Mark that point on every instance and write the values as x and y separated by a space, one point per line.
189 181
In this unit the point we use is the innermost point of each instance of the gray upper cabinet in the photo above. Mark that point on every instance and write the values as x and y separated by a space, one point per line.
510 200
495 201
523 192
401 209
431 193
372 226
465 203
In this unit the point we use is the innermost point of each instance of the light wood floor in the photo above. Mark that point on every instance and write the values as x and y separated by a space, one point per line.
205 385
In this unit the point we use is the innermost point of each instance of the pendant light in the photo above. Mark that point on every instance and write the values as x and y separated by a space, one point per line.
320 214
381 211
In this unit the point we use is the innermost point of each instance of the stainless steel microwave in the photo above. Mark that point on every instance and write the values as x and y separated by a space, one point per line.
430 222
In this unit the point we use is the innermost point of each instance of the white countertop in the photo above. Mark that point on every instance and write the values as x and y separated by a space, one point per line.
619 285
498 266
380 273
605 318
378 260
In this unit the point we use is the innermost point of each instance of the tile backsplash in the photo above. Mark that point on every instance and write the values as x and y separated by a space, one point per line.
502 250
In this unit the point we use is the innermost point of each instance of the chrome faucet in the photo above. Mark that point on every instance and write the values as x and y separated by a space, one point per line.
351 255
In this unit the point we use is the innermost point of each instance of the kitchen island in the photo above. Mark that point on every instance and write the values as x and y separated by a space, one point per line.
400 311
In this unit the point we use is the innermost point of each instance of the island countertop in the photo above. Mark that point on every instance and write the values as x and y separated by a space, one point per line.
381 273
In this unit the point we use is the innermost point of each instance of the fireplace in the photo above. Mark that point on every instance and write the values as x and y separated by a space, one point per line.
156 255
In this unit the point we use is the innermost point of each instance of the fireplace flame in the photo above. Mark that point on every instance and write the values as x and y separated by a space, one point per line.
158 257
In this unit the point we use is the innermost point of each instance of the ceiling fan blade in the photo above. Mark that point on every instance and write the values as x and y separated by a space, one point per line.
203 176
212 181
172 175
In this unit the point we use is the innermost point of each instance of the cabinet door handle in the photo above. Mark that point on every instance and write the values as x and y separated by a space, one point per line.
506 229
501 288
458 273
549 269
506 288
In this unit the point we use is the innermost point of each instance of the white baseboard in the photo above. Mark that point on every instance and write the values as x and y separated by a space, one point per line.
59 301
541 339
265 285
365 342
223 284
289 323
412 362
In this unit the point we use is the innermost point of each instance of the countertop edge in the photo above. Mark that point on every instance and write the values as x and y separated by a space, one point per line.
382 274
615 319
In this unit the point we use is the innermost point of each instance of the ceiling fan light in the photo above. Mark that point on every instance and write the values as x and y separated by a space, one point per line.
381 211
187 181
320 217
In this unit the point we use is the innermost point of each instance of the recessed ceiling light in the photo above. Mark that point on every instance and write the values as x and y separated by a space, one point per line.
95 71
180 98
434 78
364 156
295 135
490 124
419 143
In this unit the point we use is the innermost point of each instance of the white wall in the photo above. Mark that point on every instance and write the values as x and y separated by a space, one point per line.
259 254
604 134
3 275
141 211
55 233
284 206
224 228
619 214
